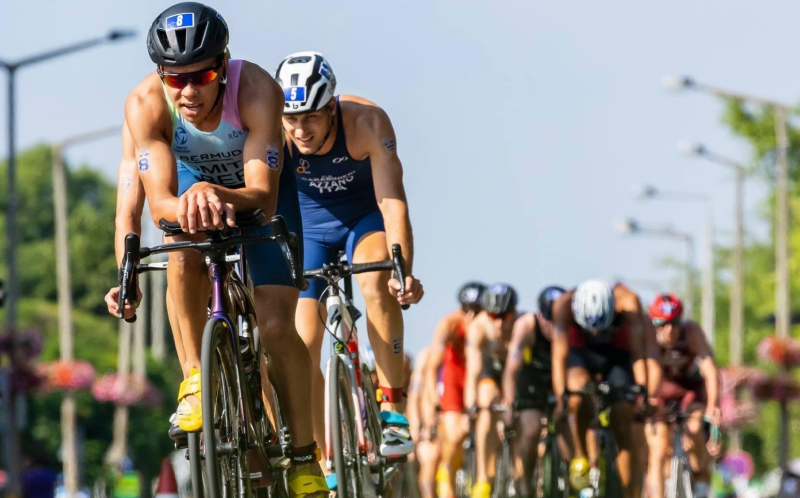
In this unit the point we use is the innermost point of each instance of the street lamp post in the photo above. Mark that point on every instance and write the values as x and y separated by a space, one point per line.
737 289
68 439
782 294
707 291
11 430
632 227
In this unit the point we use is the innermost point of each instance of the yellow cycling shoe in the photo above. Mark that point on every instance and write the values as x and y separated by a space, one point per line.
443 481
482 490
303 482
190 416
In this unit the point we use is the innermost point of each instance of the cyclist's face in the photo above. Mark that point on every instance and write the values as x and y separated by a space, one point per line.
667 333
195 100
309 130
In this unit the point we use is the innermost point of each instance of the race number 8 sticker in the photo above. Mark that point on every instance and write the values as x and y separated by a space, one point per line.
273 157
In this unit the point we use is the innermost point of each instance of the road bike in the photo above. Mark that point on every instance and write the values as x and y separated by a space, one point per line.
240 452
353 424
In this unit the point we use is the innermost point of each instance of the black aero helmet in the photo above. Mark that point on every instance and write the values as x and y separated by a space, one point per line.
469 295
187 33
546 299
499 299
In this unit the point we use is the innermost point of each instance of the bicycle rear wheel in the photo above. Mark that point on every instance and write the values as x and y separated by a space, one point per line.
227 471
339 407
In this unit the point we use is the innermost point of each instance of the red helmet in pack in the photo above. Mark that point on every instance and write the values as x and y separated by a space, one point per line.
665 308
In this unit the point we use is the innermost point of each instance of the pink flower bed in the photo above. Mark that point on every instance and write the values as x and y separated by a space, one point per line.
125 390
67 375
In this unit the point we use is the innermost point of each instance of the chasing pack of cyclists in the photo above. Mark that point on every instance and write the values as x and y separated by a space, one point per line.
206 136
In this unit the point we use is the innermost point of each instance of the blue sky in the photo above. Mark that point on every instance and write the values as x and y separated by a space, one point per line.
521 125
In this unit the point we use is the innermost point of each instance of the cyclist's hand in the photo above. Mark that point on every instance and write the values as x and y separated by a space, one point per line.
558 410
113 297
713 415
414 290
199 209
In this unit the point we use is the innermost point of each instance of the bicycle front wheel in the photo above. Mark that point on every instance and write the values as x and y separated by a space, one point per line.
342 430
465 476
610 482
679 484
227 471
504 477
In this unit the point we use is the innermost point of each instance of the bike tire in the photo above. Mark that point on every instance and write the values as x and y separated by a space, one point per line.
373 432
195 463
504 477
227 472
679 483
542 484
610 482
465 476
558 471
342 430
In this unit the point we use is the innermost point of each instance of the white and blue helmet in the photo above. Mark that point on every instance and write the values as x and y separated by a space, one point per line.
307 80
593 305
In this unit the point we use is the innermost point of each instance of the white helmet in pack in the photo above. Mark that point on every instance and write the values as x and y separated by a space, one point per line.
593 305
308 82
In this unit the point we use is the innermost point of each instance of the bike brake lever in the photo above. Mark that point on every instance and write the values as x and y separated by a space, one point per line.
128 283
400 270
288 244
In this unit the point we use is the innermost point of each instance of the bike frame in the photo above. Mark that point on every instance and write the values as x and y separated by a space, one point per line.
345 346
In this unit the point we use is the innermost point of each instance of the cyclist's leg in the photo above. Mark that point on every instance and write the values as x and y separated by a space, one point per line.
289 361
699 459
578 369
628 433
486 438
188 289
367 242
427 455
452 431
312 331
658 441
528 429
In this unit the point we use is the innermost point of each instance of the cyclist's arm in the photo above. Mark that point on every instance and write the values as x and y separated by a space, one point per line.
260 109
652 359
476 341
435 358
520 338
708 367
148 121
130 195
559 347
387 176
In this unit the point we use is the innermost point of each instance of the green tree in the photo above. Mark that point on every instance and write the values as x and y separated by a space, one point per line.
91 204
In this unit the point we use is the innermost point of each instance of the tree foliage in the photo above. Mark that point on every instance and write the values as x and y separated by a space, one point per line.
91 204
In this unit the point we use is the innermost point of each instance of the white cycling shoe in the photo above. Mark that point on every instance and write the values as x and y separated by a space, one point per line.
396 439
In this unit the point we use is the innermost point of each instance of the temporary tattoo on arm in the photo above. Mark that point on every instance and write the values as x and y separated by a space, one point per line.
389 144
273 157
144 160
397 345
125 182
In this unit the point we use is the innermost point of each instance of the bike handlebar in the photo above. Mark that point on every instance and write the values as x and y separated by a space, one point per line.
219 243
335 271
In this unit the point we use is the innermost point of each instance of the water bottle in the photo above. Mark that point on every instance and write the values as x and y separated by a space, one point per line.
586 493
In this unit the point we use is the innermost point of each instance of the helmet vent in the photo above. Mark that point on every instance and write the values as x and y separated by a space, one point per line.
299 60
199 34
162 38
295 78
180 35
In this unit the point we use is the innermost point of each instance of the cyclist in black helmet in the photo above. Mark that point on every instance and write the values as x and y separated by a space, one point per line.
488 338
207 138
527 381
444 374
